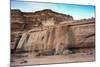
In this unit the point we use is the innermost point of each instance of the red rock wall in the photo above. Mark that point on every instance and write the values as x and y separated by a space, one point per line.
70 36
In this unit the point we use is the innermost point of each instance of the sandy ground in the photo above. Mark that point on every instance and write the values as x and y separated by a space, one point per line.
77 57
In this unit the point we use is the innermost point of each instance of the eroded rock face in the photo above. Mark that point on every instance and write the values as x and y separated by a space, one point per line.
56 32
49 38
82 35
25 21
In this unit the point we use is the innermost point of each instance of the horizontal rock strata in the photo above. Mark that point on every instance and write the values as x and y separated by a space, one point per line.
63 33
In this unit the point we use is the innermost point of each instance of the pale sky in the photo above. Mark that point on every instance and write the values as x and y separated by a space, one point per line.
77 11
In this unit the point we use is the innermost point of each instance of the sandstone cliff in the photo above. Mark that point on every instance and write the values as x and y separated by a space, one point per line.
28 20
72 36
44 30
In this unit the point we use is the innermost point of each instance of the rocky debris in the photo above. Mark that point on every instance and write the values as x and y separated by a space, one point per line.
44 53
24 61
59 49
66 52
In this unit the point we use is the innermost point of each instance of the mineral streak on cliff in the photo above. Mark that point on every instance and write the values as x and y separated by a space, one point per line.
48 30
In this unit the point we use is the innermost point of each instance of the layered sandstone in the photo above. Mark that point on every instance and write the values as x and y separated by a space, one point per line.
48 30
71 36
27 20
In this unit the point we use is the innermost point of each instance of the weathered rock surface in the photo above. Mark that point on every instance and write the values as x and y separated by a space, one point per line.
75 36
28 20
50 31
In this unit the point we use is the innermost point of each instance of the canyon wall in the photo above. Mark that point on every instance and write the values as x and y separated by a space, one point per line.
50 30
21 21
70 36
